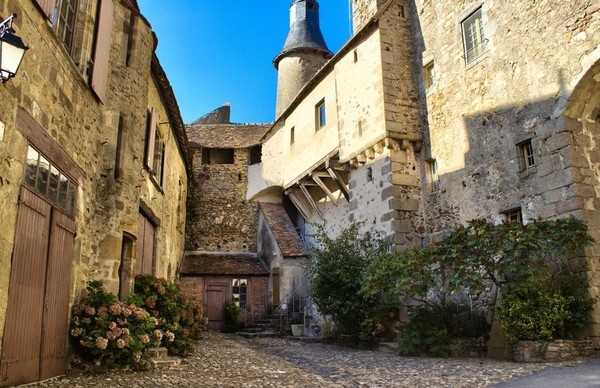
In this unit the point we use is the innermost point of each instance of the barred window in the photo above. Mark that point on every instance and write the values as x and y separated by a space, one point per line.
474 42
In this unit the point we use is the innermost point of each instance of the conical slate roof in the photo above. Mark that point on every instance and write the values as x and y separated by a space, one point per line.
305 31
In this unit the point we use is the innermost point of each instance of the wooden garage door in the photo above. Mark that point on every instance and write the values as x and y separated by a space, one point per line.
35 334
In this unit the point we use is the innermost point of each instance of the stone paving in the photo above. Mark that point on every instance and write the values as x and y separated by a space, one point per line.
225 360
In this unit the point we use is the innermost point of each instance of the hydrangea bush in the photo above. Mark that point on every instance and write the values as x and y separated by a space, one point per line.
180 317
108 334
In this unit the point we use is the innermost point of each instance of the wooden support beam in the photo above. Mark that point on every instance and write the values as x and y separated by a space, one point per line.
339 182
324 187
298 203
311 201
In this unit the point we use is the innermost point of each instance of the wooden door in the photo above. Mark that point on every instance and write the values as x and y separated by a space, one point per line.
215 299
36 333
56 308
144 261
20 361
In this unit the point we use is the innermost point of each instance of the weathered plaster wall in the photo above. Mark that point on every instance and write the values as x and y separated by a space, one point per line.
220 218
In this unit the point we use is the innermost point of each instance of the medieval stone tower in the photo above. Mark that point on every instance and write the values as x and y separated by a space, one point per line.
303 53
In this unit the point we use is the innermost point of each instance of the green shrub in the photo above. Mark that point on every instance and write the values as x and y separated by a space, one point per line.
337 276
180 318
231 317
107 334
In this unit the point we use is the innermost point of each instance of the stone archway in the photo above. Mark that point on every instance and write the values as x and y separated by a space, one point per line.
581 117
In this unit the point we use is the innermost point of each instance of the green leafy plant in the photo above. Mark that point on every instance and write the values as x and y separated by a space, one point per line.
337 275
231 318
511 256
107 334
180 318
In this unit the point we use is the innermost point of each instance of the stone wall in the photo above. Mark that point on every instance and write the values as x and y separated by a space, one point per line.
554 351
219 216
52 87
515 92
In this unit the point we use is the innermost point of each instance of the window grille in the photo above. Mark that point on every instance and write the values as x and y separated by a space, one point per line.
474 42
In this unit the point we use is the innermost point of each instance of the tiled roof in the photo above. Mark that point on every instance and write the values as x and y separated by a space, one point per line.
285 234
222 263
226 135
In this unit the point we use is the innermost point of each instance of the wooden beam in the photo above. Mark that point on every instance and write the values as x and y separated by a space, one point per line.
310 200
324 187
339 182
298 203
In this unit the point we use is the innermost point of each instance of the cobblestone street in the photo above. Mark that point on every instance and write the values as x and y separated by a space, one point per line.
224 360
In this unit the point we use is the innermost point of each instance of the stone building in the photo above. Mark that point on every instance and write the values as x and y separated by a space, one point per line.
435 113
93 172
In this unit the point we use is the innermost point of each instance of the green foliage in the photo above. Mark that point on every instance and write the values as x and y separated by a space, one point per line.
231 318
107 334
432 329
511 256
180 318
337 275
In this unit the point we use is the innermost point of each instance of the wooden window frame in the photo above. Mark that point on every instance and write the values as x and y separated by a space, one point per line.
513 215
526 155
320 115
434 175
429 75
473 36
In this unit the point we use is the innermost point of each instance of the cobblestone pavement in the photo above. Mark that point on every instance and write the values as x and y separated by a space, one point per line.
224 360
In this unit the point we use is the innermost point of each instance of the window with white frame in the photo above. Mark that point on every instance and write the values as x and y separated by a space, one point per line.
239 292
526 156
474 41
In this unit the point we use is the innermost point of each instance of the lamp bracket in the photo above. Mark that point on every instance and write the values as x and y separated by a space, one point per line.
6 24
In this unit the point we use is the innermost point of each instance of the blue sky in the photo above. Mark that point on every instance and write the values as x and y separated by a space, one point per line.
223 52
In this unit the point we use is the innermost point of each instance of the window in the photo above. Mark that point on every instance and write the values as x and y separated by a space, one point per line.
119 149
217 156
355 56
63 20
292 136
240 292
320 114
50 182
255 155
434 176
526 157
429 75
514 215
474 41
155 148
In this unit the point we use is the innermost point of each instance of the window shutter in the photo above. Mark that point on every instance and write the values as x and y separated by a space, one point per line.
102 53
47 6
150 140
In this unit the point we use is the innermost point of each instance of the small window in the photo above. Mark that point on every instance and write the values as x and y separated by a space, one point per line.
355 56
63 20
119 149
429 75
240 292
49 182
514 215
434 176
255 155
369 174
474 41
217 156
292 136
526 157
320 114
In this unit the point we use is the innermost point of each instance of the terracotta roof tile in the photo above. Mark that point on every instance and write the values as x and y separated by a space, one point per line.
283 230
226 135
222 263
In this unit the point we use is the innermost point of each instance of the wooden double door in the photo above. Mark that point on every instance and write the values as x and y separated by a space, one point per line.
35 337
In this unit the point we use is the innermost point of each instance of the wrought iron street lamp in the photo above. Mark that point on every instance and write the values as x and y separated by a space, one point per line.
12 49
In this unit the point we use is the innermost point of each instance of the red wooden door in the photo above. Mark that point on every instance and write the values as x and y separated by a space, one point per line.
23 328
56 309
35 333
215 299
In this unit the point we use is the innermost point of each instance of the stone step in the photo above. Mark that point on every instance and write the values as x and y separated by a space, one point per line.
166 362
158 353
260 334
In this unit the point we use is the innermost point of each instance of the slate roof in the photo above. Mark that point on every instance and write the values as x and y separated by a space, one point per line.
304 34
285 234
223 263
226 135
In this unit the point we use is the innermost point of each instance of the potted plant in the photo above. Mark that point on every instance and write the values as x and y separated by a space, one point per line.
297 326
